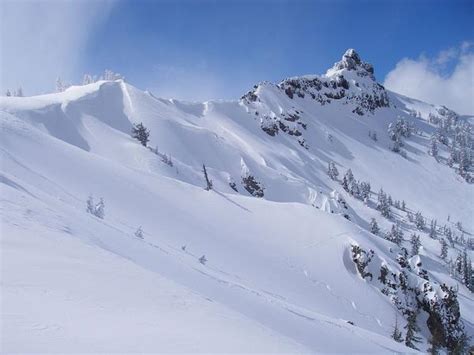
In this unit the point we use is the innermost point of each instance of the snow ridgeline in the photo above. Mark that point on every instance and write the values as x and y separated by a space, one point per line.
284 146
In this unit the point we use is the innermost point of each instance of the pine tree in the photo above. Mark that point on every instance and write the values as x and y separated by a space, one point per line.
332 170
415 244
60 87
8 93
444 249
87 79
412 328
396 333
404 207
90 205
420 221
433 151
206 177
141 133
382 204
433 234
347 180
345 183
19 92
203 260
374 227
395 235
467 270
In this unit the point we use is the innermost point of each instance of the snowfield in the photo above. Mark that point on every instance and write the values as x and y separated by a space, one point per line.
281 273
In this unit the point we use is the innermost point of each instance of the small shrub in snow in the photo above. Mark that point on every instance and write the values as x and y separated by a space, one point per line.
362 259
203 260
139 233
232 184
98 209
252 186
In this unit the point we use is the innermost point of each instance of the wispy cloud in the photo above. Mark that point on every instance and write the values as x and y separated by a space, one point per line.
41 40
194 82
427 79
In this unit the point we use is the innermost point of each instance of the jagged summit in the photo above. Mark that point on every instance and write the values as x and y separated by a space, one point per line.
351 61
350 83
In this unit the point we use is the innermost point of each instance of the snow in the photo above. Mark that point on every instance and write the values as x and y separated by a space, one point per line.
279 275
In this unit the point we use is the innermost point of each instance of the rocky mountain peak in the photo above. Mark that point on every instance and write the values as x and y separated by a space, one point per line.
351 61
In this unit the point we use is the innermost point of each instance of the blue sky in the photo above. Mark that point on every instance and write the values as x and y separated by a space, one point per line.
218 49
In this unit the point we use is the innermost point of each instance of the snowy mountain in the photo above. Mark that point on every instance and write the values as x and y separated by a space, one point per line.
339 220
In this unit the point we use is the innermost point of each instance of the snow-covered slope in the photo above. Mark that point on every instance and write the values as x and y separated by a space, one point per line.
287 272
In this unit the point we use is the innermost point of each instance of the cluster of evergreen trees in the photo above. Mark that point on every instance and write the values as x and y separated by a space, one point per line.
358 189
461 269
410 296
456 136
398 130
18 92
384 202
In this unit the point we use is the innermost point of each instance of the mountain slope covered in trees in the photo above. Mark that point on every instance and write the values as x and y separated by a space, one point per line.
322 213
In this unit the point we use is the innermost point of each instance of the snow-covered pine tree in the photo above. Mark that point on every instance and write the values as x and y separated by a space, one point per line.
433 233
382 204
19 92
433 151
109 75
332 170
444 249
415 244
100 209
354 188
347 180
203 260
8 93
374 227
90 208
141 133
60 87
87 79
395 235
411 329
467 271
420 221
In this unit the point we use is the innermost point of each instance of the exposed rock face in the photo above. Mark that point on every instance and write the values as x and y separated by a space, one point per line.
351 61
350 82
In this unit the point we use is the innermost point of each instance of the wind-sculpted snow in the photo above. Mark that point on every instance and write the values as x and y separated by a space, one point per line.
264 260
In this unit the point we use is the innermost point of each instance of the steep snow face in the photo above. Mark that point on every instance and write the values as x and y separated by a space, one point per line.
303 286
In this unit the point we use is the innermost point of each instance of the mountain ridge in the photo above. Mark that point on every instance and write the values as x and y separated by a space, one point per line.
305 232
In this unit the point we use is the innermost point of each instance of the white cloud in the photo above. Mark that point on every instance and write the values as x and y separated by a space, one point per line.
424 79
41 40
